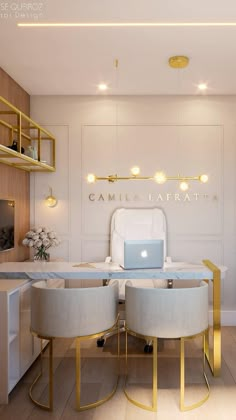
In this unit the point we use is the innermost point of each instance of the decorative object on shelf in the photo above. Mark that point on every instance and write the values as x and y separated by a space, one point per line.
14 146
50 200
41 239
158 177
32 152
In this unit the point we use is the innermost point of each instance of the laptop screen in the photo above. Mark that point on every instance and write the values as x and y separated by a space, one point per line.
143 253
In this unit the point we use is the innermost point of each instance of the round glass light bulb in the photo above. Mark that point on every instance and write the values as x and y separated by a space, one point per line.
91 178
51 201
203 178
160 177
184 186
102 87
202 86
135 171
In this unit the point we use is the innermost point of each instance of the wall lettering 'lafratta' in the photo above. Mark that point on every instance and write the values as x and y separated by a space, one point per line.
160 197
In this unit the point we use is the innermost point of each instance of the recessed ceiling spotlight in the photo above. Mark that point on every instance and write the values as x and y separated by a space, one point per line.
102 87
202 86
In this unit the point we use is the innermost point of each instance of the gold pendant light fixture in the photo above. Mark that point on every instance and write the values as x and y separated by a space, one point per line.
159 177
176 62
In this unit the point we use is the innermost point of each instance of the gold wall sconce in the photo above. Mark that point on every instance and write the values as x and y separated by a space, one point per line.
51 200
158 177
11 203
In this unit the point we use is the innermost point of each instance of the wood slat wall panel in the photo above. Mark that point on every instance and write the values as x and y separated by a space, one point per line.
14 183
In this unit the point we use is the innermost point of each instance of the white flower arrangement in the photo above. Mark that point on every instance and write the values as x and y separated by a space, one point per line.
41 239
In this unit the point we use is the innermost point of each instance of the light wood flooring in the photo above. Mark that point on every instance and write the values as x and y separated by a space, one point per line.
98 374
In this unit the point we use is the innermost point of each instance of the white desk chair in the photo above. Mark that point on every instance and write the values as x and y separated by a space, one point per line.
167 313
135 224
82 313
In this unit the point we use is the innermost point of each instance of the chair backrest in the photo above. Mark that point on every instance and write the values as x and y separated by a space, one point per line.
167 313
60 312
135 224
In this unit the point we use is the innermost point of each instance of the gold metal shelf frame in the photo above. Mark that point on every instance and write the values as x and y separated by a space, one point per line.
28 131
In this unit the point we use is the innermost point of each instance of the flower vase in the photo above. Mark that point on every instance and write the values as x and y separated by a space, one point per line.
42 255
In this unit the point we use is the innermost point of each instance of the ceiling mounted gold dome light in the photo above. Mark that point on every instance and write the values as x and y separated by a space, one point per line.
178 61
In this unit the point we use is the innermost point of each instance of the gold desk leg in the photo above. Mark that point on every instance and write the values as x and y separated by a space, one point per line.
214 355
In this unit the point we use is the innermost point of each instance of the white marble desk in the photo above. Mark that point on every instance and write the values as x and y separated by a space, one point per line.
107 271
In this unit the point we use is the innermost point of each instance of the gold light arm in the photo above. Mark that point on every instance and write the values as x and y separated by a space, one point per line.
159 177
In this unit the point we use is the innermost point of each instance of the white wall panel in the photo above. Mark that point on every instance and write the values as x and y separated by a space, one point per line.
195 250
58 216
186 135
95 250
62 252
175 150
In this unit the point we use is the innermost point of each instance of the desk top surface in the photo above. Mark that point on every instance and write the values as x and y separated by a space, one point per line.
72 270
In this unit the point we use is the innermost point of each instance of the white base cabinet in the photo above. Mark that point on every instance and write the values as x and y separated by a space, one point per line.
18 348
29 344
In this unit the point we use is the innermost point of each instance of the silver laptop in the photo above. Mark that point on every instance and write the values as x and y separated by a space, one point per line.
143 253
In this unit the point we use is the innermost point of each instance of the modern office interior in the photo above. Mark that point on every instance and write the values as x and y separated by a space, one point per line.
118 133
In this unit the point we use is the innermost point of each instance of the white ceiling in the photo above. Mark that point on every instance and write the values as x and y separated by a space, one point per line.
74 60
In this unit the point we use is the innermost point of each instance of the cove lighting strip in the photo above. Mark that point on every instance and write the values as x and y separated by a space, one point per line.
124 24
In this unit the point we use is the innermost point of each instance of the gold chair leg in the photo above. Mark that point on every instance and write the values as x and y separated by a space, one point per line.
154 375
184 407
153 407
48 407
118 350
78 374
80 407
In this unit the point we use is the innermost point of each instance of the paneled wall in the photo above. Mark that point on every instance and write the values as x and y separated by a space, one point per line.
14 183
179 135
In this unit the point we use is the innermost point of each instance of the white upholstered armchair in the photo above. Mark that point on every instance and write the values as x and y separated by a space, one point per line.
180 313
81 313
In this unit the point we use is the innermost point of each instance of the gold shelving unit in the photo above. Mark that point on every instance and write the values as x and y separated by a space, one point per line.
15 125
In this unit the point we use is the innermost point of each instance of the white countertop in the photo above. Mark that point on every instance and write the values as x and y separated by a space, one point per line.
75 270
